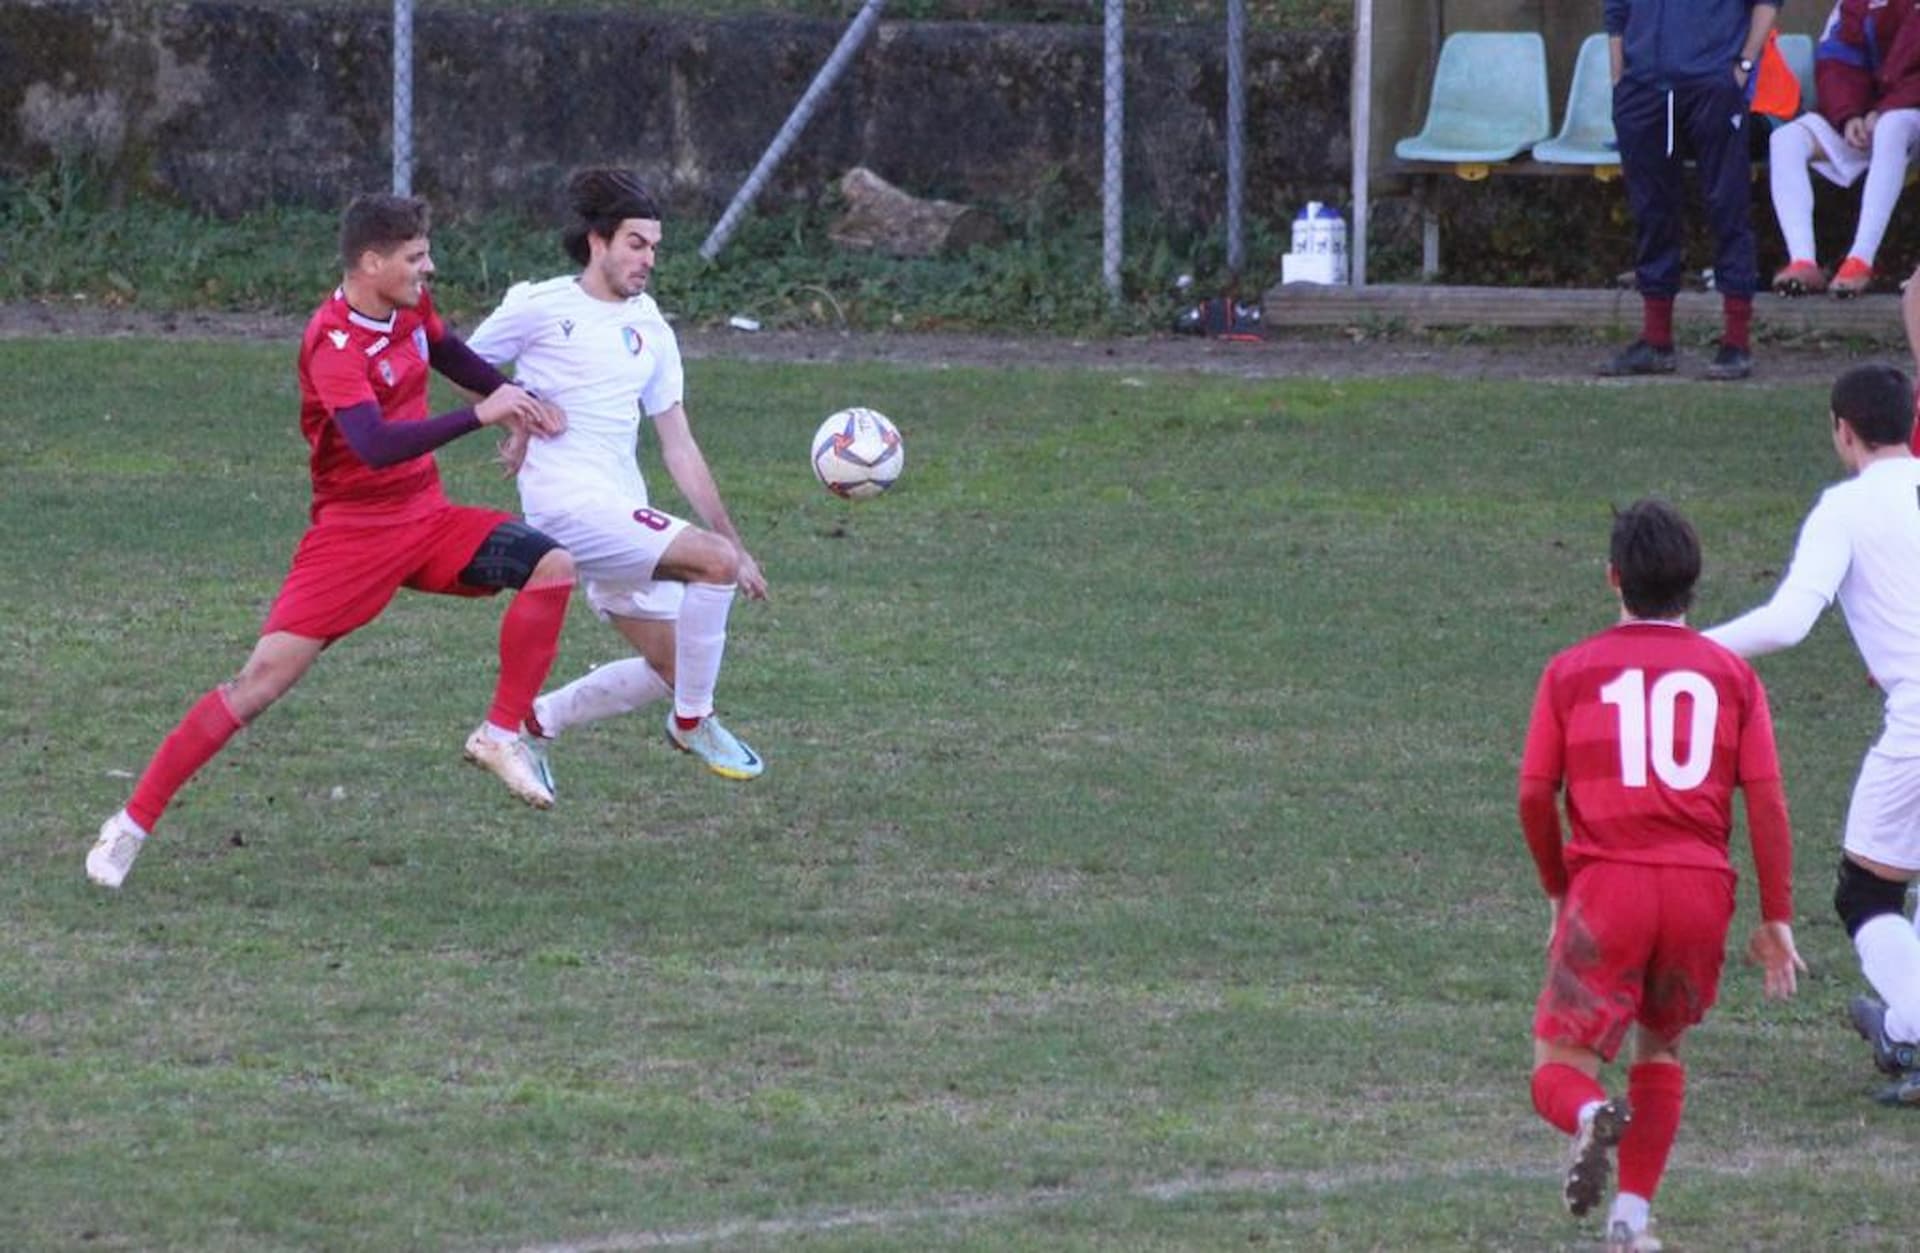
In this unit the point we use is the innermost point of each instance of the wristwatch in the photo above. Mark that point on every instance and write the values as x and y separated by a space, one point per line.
1745 64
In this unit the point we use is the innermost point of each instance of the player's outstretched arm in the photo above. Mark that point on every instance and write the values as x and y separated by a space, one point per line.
688 467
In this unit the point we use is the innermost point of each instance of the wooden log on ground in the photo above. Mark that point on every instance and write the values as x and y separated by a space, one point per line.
882 218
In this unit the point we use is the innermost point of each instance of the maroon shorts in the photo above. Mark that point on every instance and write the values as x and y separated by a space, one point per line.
1635 944
343 575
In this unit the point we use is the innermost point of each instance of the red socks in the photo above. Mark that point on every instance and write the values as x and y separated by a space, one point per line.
1656 1091
529 641
1560 1092
1656 321
1737 311
189 746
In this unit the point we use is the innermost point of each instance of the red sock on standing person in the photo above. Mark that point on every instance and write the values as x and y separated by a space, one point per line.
1657 1091
1656 321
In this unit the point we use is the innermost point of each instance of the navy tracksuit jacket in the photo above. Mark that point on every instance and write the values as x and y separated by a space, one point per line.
1678 97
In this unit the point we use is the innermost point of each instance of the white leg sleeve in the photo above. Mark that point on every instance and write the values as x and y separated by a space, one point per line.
616 688
1893 138
699 639
1889 952
1789 152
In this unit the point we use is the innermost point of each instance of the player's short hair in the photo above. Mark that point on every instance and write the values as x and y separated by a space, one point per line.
599 198
1656 555
1876 400
380 223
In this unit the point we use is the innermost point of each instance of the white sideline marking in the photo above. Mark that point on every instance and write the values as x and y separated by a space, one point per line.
1166 1190
998 1206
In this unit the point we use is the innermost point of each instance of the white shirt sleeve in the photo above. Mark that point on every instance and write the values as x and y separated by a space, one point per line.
1820 562
668 386
502 337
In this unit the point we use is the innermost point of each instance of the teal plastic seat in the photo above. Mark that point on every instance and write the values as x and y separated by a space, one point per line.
1586 133
1797 50
1489 100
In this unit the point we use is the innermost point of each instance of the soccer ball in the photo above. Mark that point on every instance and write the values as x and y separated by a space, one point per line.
858 453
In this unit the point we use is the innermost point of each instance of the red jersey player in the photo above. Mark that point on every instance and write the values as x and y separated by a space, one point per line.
1649 727
379 520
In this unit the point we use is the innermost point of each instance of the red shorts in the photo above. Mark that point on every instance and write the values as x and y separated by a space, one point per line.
1634 944
344 574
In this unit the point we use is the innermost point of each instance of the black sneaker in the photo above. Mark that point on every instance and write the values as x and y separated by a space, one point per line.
1730 363
1639 357
1869 1018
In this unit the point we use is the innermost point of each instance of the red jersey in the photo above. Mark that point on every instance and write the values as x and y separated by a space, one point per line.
346 359
1650 726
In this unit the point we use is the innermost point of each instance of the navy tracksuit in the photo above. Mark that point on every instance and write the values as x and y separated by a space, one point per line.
1678 97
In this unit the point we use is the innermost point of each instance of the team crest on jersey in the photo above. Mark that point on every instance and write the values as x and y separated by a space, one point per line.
339 339
420 342
631 338
566 327
386 370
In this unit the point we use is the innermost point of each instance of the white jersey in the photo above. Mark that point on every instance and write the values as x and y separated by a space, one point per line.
1862 544
605 363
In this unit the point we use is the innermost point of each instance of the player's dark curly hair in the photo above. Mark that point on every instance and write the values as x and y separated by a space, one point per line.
599 198
380 223
1876 400
1656 555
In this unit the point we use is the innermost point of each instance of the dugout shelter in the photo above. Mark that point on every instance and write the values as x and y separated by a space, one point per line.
1397 47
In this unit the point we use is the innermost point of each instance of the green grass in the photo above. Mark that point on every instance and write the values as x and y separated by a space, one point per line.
55 228
1136 866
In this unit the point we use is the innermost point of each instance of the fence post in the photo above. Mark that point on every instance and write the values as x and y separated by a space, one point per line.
1111 182
402 97
1236 137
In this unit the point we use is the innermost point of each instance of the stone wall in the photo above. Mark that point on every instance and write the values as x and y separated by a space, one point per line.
229 107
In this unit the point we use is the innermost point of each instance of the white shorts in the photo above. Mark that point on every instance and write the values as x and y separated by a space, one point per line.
616 545
1839 161
1883 819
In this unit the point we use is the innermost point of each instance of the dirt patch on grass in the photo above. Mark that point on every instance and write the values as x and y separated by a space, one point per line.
1332 353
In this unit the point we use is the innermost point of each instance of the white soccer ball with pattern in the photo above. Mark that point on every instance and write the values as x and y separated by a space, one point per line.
858 453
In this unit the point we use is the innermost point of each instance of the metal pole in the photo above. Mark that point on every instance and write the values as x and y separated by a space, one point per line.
1361 111
1236 135
796 122
402 97
1111 183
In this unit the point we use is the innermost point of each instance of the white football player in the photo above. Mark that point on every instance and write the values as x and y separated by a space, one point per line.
595 344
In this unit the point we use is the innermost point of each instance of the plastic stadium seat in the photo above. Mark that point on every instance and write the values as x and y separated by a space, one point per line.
1586 134
1798 52
1489 100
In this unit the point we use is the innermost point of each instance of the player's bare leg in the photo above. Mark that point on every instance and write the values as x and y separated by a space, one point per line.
277 663
710 567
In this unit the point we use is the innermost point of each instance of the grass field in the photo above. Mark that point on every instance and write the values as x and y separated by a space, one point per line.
1135 867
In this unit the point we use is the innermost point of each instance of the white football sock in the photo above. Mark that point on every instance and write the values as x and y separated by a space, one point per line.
1890 958
1893 137
699 638
1634 1211
616 688
1789 151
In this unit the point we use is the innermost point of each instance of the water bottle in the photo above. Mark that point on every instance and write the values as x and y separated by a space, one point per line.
1304 225
1334 228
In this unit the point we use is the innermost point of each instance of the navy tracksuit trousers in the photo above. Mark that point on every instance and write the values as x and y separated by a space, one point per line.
1658 129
